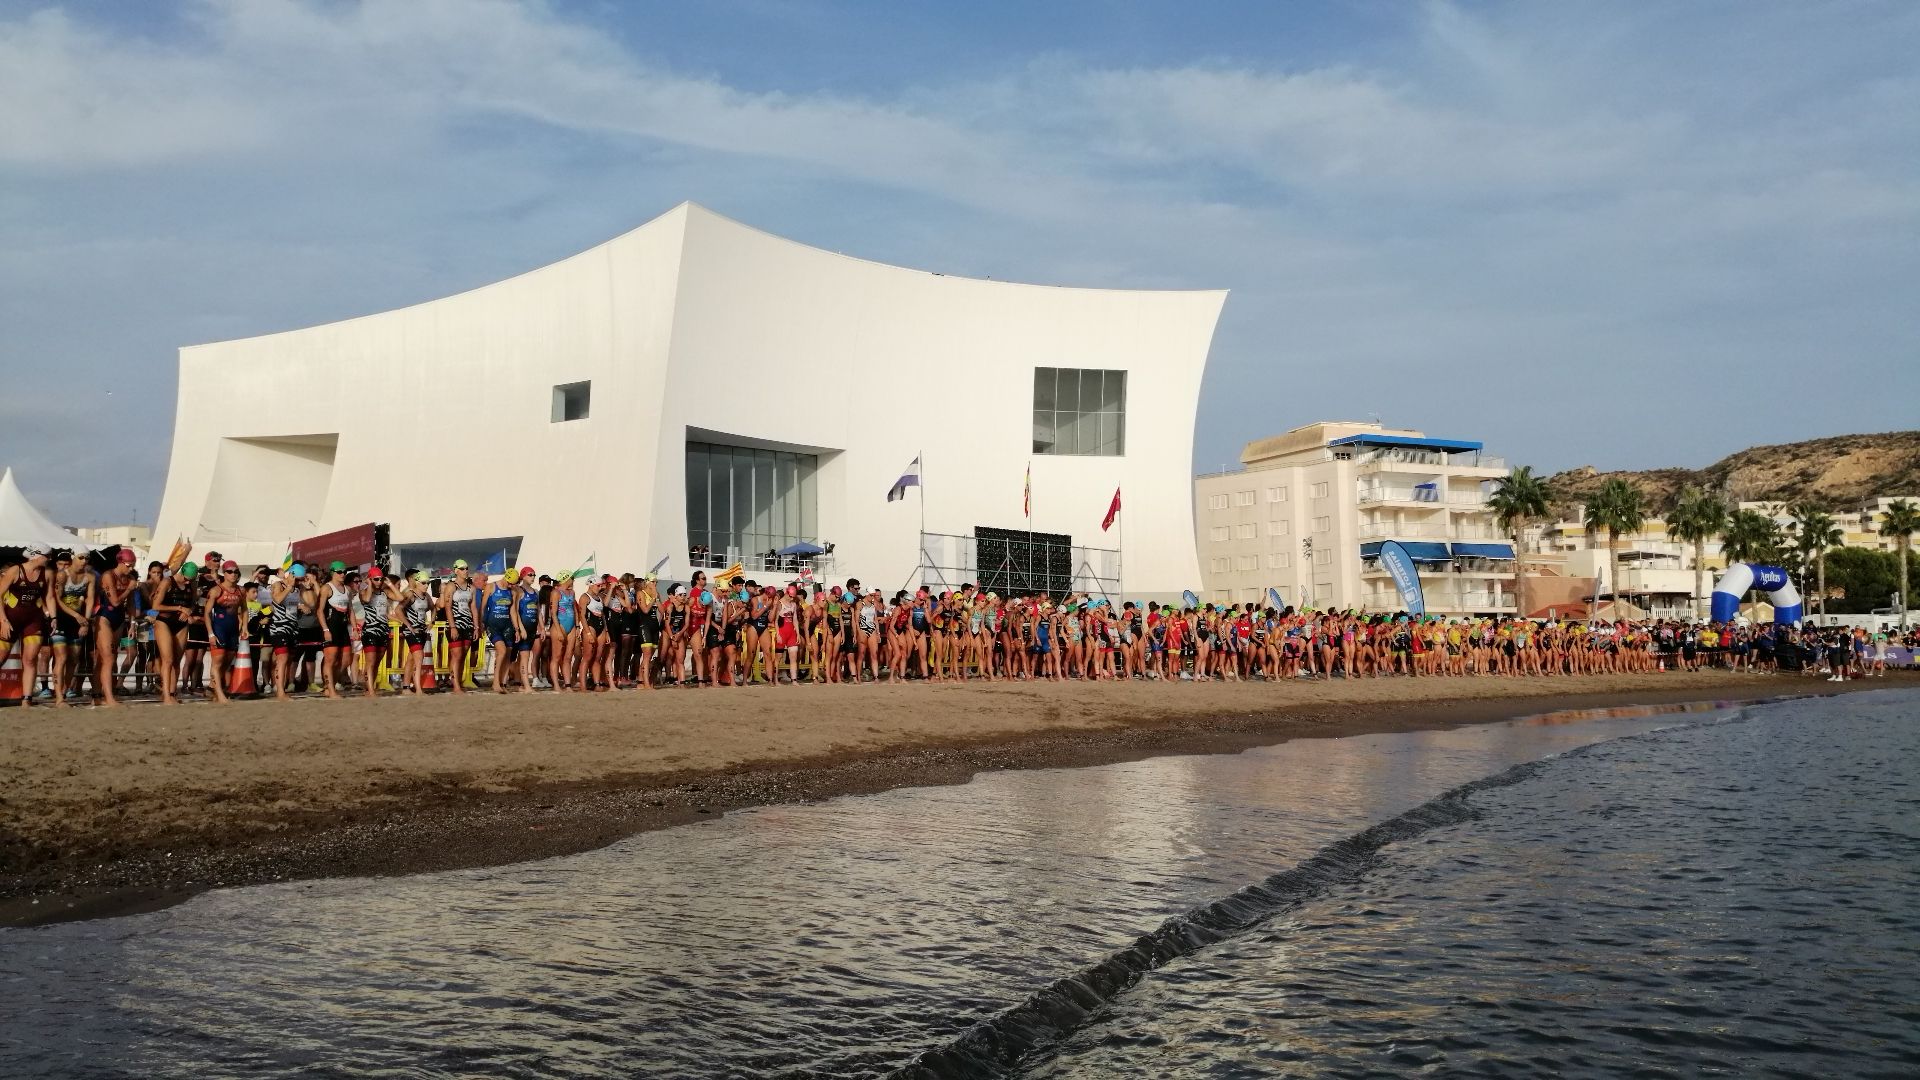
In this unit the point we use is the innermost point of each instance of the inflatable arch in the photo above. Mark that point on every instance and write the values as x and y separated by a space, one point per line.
1740 577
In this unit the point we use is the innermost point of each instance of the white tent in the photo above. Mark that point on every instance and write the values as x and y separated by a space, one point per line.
21 523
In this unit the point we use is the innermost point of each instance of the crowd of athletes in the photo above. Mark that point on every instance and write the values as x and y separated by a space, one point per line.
94 628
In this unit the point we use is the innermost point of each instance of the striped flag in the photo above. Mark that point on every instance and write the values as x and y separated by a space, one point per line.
1026 496
910 478
587 568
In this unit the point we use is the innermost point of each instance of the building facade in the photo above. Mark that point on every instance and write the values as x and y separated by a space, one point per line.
697 391
1306 512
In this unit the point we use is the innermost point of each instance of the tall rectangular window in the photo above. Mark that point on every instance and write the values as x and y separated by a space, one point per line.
1216 502
1243 498
1079 411
1276 494
744 501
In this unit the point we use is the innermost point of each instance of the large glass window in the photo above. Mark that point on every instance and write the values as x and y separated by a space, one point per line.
744 501
1079 411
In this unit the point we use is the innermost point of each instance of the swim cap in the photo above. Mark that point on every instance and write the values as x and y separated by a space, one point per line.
459 564
706 596
127 557
189 571
337 567
298 569
511 575
526 572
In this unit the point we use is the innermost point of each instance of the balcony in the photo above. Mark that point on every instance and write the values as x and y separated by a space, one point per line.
1398 460
1429 530
1442 602
1421 494
1451 570
1435 530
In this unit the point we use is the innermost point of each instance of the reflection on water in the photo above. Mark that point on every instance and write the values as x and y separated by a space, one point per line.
1731 899
834 939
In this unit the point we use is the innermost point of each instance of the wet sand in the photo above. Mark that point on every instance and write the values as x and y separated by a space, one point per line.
112 811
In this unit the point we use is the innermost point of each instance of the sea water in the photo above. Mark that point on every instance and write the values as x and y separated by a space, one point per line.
1670 891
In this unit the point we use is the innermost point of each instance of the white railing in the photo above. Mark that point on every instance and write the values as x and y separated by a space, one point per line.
1484 601
1431 458
1415 528
1378 530
1399 494
1466 498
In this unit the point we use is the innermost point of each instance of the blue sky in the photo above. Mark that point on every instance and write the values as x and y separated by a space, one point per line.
1624 235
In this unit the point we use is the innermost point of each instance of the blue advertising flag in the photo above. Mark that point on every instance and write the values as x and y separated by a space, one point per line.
1405 578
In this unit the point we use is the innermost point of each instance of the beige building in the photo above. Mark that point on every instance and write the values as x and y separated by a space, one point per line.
138 537
1306 512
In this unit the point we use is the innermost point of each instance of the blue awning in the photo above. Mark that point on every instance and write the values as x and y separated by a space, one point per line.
1483 551
1445 446
1417 551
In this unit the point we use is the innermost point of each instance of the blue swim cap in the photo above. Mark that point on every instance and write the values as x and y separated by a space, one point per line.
706 596
298 569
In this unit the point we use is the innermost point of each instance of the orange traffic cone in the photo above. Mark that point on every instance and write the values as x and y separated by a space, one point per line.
240 677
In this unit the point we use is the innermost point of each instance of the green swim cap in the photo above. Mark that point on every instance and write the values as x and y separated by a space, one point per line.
189 571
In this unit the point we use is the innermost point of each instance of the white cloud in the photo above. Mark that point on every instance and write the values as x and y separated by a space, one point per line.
1580 190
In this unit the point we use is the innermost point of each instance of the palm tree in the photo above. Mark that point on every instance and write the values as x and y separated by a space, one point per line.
1815 534
1901 522
1751 537
1619 507
1518 500
1698 517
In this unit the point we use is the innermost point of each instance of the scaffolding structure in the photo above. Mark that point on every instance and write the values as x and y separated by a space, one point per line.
1017 563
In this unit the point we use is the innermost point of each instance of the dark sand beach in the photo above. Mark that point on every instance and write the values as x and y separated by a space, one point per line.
112 811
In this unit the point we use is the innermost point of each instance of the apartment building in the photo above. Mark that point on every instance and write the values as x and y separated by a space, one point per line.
1305 513
1656 571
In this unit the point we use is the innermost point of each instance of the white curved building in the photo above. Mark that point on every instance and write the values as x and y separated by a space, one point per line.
697 383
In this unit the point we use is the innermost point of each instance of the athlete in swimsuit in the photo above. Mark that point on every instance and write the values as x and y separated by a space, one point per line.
222 614
71 625
336 602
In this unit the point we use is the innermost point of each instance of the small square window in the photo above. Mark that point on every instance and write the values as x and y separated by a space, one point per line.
571 400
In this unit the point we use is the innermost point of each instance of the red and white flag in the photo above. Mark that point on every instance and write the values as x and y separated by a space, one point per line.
1026 494
1113 511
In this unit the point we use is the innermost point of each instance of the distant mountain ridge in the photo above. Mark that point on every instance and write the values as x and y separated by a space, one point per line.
1836 473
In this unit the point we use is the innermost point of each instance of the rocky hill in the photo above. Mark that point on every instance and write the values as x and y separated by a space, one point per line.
1837 473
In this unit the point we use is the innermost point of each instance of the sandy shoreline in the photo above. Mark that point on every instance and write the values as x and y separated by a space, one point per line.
110 811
